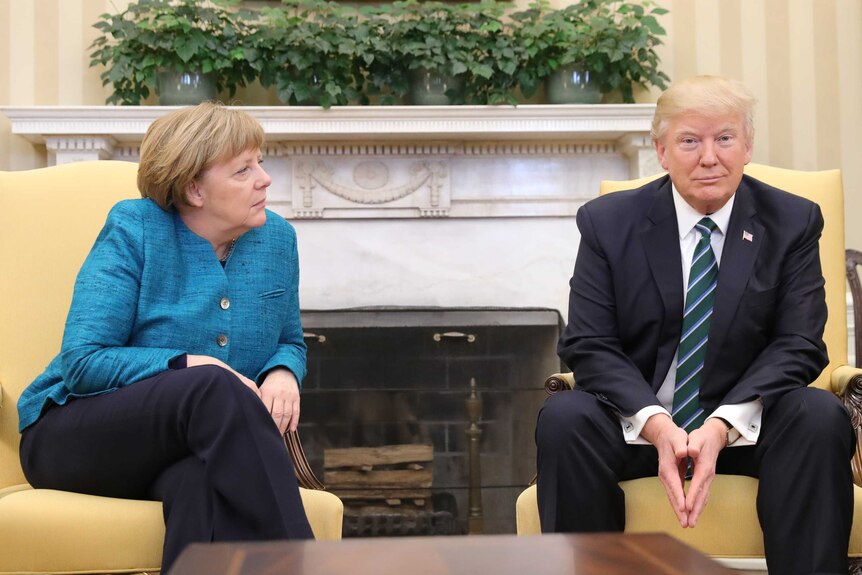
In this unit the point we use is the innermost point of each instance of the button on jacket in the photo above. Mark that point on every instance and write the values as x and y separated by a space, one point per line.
151 290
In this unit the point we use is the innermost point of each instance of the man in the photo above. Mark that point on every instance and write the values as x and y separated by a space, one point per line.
696 317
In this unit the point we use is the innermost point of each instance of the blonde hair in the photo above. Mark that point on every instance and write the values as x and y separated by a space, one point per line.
180 146
709 95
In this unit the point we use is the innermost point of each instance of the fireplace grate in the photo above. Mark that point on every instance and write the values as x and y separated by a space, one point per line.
400 524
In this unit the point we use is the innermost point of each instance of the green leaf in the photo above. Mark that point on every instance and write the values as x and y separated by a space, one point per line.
186 51
458 68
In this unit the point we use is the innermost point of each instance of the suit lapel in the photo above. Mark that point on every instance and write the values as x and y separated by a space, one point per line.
661 244
741 246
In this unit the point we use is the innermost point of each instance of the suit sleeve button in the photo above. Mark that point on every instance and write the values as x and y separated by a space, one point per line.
224 303
221 340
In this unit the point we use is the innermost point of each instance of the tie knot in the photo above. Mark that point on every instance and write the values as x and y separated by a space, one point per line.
706 226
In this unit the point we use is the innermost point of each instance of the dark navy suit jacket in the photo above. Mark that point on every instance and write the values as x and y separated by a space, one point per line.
626 300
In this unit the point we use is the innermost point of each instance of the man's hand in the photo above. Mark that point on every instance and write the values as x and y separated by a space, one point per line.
704 445
671 443
280 394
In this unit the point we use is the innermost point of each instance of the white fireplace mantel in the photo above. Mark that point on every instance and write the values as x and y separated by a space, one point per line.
410 205
397 161
607 122
73 133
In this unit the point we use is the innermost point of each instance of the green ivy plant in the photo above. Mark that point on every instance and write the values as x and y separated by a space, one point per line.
616 40
454 39
311 52
177 35
323 52
385 80
502 53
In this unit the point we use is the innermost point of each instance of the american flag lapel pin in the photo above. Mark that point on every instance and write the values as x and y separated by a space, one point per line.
747 236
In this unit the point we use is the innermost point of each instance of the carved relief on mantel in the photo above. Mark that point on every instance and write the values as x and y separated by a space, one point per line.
369 181
428 180
80 148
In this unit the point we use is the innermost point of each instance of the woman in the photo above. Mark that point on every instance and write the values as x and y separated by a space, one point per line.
182 354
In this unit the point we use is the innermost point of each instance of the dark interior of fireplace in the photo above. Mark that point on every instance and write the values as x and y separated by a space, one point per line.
399 380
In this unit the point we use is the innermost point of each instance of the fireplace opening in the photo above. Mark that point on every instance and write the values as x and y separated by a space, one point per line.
422 419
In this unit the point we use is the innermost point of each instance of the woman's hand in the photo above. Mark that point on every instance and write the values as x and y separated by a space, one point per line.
279 391
280 394
195 360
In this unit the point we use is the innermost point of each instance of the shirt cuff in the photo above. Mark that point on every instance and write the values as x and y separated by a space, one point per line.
633 425
745 417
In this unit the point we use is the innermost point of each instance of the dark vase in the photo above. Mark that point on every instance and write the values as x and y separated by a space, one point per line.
435 88
572 84
185 88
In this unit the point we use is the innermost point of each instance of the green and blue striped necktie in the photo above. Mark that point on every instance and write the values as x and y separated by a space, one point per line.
700 295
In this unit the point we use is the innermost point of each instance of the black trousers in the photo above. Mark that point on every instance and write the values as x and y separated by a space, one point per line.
802 459
196 439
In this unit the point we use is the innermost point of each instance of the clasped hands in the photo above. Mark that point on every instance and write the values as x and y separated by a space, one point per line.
279 391
675 447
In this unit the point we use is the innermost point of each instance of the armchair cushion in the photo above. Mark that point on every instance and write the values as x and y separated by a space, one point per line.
48 531
728 527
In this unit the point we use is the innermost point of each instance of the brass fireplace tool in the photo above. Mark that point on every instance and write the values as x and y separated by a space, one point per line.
474 412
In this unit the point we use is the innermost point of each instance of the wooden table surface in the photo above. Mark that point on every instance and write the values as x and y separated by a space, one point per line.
586 554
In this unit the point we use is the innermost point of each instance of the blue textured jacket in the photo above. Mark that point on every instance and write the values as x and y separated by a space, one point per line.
151 290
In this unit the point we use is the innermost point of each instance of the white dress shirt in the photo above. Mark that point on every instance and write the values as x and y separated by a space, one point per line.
745 417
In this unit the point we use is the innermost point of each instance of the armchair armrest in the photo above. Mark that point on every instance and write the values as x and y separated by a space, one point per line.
304 475
559 382
555 383
847 384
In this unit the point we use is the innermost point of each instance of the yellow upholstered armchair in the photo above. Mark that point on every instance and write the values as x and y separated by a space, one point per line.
729 528
49 219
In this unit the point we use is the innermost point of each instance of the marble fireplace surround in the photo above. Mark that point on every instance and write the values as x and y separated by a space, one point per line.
461 206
